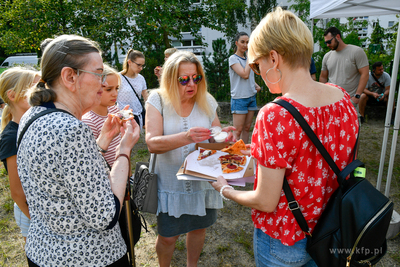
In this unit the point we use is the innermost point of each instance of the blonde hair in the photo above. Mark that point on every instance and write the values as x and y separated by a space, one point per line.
132 56
169 86
18 80
285 33
170 51
64 51
108 70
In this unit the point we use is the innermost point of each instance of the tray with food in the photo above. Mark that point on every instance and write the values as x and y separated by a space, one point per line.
210 160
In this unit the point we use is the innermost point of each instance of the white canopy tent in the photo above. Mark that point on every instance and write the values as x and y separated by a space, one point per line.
355 8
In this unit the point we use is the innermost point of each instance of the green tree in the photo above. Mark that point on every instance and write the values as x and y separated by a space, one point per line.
217 70
258 9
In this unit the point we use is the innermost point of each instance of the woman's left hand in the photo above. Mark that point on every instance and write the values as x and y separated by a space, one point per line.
219 183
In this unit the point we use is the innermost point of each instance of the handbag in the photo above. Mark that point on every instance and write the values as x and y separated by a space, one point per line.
352 229
144 189
143 113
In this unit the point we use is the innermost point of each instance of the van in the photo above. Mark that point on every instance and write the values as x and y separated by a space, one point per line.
10 61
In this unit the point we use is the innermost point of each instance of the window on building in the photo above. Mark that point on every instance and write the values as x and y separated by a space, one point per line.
391 23
176 43
187 43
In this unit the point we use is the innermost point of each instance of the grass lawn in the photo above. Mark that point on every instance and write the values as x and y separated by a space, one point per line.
2 69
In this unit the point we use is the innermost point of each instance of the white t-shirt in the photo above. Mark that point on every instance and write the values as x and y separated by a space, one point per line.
126 96
241 88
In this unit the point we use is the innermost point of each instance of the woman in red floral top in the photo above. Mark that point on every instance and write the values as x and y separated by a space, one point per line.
280 50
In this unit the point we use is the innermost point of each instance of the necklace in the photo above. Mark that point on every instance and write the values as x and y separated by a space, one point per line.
65 107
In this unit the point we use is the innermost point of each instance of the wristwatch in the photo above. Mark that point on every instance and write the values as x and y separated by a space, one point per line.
357 96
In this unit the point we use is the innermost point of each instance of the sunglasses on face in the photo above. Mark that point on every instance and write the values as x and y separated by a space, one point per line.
255 67
184 80
329 41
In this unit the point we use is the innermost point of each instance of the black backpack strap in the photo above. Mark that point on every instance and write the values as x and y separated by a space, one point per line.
40 114
310 133
295 208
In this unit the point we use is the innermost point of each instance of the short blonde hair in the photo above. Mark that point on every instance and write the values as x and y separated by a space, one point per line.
170 51
18 80
169 86
285 33
108 70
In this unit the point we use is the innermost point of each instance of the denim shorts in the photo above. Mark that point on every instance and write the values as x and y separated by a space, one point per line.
243 105
22 221
271 252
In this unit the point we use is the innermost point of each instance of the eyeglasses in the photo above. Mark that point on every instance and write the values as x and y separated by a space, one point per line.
103 77
329 41
255 67
143 66
184 80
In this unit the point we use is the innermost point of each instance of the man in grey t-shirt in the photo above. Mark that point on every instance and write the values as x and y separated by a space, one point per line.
346 65
377 88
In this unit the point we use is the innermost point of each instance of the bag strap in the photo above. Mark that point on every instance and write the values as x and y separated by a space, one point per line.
133 91
341 175
313 137
376 79
31 120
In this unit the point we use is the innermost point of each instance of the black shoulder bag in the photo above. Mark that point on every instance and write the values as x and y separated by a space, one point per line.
143 114
352 229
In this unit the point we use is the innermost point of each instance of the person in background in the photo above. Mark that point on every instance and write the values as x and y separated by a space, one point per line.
167 53
133 84
97 116
313 70
280 50
74 199
243 89
377 88
181 113
345 65
14 83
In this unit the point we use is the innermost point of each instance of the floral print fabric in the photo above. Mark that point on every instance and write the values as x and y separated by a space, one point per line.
278 141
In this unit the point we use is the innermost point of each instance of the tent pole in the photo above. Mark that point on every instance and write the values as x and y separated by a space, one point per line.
387 122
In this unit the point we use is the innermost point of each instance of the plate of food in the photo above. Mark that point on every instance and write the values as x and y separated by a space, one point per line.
228 162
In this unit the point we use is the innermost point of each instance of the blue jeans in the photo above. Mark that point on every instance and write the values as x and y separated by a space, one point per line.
271 252
22 221
243 105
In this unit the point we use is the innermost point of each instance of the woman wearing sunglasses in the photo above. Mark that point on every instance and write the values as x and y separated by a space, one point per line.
243 89
133 85
280 50
179 115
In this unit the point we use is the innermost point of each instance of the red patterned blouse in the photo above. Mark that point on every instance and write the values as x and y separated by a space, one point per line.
279 142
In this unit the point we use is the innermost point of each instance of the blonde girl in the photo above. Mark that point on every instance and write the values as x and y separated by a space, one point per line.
13 84
96 117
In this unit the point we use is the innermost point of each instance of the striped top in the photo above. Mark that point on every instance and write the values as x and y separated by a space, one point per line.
95 122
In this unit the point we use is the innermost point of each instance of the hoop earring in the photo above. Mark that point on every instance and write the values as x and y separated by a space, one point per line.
266 76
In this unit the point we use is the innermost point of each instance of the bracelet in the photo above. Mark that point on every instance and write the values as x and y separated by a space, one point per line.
123 155
100 149
222 190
